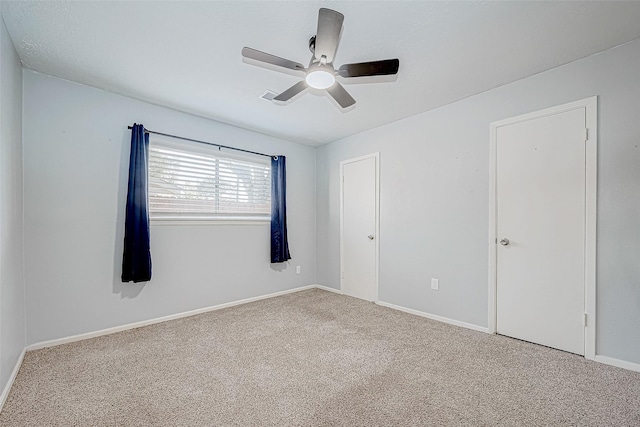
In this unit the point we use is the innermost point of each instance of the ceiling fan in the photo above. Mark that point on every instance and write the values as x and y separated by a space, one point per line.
320 74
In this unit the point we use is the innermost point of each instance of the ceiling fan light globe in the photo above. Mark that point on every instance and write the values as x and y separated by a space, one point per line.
320 79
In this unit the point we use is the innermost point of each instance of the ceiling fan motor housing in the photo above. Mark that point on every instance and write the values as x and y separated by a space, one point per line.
312 44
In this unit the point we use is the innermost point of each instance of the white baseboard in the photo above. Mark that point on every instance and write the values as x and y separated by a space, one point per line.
51 343
434 317
327 288
12 378
618 363
94 334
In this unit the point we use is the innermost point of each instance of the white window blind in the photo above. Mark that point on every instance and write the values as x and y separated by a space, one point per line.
196 181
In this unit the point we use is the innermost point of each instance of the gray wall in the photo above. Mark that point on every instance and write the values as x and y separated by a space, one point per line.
76 148
12 301
435 196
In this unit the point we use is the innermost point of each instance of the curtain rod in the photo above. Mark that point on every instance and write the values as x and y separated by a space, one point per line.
205 142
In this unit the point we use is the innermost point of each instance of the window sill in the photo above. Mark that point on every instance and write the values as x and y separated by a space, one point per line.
208 221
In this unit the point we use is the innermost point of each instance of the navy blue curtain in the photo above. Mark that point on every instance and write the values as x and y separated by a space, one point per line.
136 259
279 242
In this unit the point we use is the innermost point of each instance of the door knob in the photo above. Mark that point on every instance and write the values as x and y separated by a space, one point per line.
370 236
504 242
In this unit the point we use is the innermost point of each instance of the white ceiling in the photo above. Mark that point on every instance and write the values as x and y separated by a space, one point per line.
186 55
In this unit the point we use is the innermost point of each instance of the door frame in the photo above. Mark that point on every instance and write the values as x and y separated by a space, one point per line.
591 150
375 156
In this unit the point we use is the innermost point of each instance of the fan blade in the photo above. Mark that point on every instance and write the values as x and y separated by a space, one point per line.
291 92
328 35
247 52
373 68
341 96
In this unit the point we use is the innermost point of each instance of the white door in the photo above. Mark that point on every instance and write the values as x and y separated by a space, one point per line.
358 236
540 229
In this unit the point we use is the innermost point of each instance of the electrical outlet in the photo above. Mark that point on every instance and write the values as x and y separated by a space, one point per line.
434 284
298 269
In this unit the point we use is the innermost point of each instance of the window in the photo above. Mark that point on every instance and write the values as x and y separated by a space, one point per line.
198 181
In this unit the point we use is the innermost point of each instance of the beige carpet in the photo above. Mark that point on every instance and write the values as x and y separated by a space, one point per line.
315 358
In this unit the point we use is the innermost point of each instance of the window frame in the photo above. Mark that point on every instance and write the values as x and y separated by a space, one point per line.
216 219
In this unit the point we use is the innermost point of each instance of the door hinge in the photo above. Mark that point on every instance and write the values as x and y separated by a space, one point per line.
586 134
584 320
